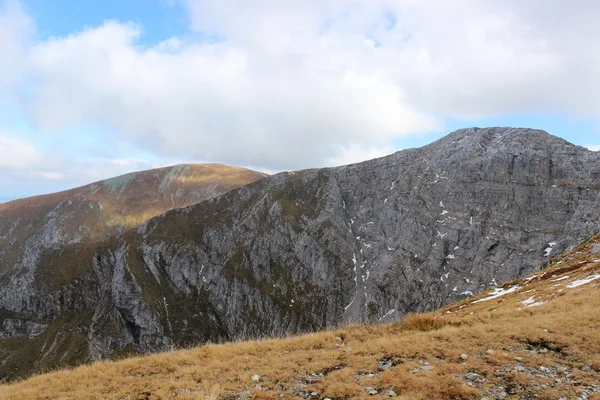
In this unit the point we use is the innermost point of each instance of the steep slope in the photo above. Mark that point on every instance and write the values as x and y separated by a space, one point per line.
307 250
533 338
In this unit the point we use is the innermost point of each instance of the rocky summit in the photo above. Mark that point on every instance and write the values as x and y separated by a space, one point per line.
297 251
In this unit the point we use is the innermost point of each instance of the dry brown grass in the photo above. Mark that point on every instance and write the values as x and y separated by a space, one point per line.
507 342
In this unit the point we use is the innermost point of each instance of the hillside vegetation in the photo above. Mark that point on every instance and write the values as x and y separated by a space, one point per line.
531 338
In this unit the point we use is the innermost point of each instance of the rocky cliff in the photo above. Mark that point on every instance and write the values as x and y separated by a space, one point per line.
306 250
37 228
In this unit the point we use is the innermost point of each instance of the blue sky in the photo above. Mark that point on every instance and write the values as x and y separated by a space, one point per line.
93 89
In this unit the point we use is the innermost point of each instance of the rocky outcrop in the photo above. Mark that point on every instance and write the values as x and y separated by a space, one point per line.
311 249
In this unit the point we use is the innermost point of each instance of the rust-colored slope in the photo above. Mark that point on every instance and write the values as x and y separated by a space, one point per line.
125 201
166 188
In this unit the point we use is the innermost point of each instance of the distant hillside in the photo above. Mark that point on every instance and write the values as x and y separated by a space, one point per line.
130 199
532 338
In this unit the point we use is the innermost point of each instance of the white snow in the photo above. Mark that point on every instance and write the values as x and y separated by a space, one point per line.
467 292
385 201
528 301
444 212
349 304
539 303
497 293
450 256
390 249
387 314
548 249
562 278
471 221
580 282
455 289
442 205
456 247
493 282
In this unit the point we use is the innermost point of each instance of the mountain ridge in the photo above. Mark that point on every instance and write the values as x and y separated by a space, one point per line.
306 250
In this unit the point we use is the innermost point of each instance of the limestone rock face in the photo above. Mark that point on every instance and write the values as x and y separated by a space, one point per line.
311 249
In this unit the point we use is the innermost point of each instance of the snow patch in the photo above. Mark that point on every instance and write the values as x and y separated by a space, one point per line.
387 314
548 249
580 282
497 293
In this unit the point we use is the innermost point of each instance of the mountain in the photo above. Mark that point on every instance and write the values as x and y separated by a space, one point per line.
532 338
32 228
307 250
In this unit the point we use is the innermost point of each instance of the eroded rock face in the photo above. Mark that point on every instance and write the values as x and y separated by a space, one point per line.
302 251
47 244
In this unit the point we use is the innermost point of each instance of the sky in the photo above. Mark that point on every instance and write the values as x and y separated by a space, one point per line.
94 89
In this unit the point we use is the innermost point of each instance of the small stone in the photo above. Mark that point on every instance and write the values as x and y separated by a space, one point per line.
489 352
391 393
471 376
464 356
339 339
370 375
326 398
427 367
314 394
415 370
384 365
519 368
519 359
347 349
371 391
255 378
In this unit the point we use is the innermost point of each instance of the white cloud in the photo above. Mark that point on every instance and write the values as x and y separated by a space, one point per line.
27 170
355 153
593 147
306 83
16 28
18 154
217 102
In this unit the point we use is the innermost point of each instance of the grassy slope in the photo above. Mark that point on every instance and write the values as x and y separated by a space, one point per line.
539 341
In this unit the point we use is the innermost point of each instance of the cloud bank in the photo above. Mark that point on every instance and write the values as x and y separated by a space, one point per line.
296 84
